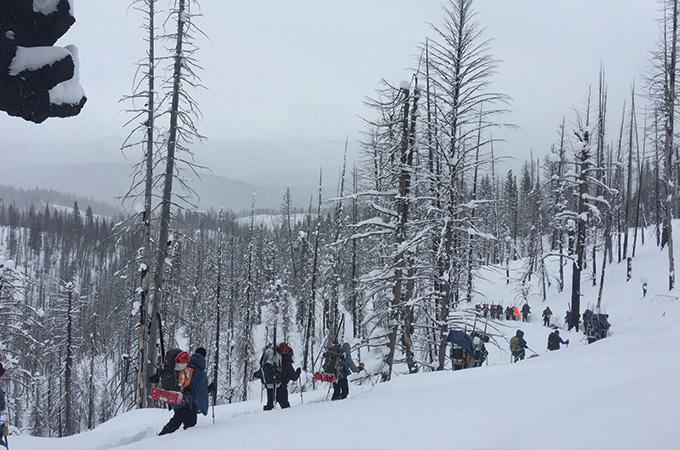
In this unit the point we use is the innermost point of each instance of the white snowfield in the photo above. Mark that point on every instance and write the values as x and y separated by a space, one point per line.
618 393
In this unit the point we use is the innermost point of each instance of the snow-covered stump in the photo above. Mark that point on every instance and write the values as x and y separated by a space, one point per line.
39 80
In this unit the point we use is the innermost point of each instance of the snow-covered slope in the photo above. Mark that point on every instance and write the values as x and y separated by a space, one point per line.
618 393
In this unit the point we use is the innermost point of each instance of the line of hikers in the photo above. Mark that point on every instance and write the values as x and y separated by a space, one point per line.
513 313
186 373
276 370
494 311
518 345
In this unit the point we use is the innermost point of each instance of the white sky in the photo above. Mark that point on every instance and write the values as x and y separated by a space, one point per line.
299 70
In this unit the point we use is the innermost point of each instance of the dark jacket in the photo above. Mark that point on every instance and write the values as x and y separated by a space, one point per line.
554 341
289 373
2 400
520 336
348 365
198 387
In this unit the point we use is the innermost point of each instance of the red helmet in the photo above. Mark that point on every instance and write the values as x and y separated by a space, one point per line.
182 358
283 348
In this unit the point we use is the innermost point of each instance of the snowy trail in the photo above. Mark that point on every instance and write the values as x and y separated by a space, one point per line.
618 393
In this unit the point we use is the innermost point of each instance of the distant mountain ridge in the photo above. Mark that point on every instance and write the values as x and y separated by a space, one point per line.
22 198
108 182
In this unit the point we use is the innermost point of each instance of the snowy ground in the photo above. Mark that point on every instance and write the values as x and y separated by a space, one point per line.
618 393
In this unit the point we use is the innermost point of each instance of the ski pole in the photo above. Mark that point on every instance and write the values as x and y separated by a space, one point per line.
213 396
370 377
329 391
532 351
302 400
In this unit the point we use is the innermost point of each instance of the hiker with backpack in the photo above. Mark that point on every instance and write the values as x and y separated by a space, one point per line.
338 362
526 310
192 381
547 314
479 353
461 349
518 346
276 370
554 340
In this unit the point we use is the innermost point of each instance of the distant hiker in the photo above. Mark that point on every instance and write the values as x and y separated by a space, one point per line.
554 340
547 314
338 362
518 346
479 353
567 320
526 309
508 313
281 374
595 326
3 435
193 382
461 349
515 313
485 309
499 312
2 393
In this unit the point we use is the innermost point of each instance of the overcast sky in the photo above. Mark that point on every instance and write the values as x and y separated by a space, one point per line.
299 70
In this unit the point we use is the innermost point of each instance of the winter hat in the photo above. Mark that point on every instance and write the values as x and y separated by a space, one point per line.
283 348
201 351
181 360
557 332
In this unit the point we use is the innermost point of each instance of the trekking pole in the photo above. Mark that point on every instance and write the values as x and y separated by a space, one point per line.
302 400
370 377
532 351
213 405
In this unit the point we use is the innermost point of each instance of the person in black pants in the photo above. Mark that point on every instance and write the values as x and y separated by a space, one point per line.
194 383
347 367
286 373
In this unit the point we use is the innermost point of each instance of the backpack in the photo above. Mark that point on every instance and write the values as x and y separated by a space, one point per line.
514 344
168 378
332 359
553 342
270 366
460 356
